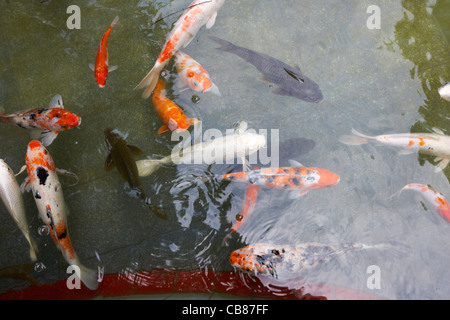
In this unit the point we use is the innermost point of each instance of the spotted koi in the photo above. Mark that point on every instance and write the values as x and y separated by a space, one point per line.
193 74
436 144
433 198
199 13
50 120
48 195
169 112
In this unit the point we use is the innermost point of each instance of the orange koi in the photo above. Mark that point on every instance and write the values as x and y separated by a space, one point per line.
101 67
296 179
433 198
48 195
169 112
193 74
199 13
50 120
251 195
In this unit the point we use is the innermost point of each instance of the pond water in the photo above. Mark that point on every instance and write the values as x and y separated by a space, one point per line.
378 81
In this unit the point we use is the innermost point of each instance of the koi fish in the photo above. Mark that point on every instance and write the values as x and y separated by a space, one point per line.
199 13
251 195
433 198
290 80
444 91
436 144
169 112
13 201
50 120
285 262
239 144
297 179
121 156
101 67
48 195
193 74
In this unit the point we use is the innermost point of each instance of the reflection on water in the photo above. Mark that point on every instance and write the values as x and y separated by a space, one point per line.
376 81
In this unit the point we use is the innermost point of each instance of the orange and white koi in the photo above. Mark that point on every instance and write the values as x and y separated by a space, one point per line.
169 112
193 74
199 13
297 179
251 194
50 120
48 195
13 201
436 144
432 197
286 262
101 67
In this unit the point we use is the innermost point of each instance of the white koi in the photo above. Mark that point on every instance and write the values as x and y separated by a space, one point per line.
13 201
436 144
444 91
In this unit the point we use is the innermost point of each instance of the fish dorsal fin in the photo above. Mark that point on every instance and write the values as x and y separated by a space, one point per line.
295 163
211 21
295 75
241 127
47 137
56 102
91 66
437 131
135 151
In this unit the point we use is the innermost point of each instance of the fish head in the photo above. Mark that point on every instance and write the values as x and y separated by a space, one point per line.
307 90
252 142
112 136
327 178
63 119
178 125
257 259
38 156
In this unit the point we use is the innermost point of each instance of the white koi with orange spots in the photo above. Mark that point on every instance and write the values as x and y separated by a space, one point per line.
193 74
199 13
48 195
433 198
436 144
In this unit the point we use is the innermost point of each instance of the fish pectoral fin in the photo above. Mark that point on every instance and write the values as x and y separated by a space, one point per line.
295 194
438 131
48 136
109 163
295 163
135 151
245 165
26 185
91 66
163 129
112 68
443 162
24 167
262 78
280 91
211 21
405 152
56 102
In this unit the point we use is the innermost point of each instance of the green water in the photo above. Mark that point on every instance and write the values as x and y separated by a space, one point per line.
376 81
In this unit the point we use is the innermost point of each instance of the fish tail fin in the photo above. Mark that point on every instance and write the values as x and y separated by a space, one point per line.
147 167
116 19
89 277
356 139
224 45
150 80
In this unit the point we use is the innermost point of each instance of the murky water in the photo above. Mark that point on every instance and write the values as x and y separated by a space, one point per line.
376 81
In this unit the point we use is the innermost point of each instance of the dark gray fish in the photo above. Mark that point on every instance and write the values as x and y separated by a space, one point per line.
121 155
290 80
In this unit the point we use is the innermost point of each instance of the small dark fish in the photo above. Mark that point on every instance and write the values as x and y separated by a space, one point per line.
121 155
290 80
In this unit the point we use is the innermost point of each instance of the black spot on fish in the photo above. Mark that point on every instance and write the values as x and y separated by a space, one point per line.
41 110
33 116
37 195
42 174
62 235
295 181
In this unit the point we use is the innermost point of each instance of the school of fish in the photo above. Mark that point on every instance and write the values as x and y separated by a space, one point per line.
281 261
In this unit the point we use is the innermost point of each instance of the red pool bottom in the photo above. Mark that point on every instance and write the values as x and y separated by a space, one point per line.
173 282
